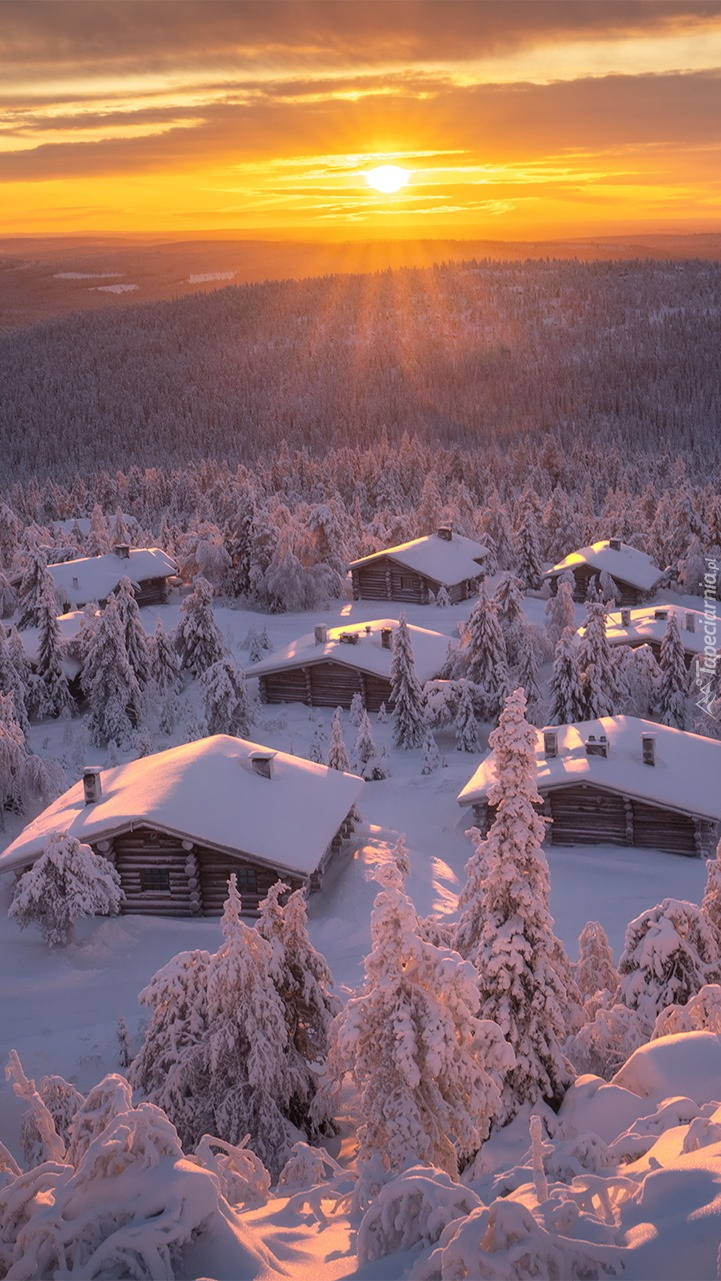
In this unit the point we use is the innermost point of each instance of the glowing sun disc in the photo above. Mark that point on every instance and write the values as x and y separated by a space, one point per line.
387 178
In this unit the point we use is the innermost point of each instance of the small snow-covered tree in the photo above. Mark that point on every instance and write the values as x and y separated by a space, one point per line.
24 777
136 641
598 676
443 599
97 541
365 753
337 753
711 902
670 953
409 716
357 709
53 692
701 1013
108 681
225 699
8 596
565 685
508 601
674 683
560 611
425 1069
643 676
431 759
35 583
67 882
198 639
526 667
595 971
15 677
528 554
164 662
316 751
484 650
468 738
507 925
609 589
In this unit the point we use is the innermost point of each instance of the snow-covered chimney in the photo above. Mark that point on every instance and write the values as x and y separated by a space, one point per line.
550 743
386 634
648 748
321 634
625 618
597 746
691 622
262 763
446 533
614 544
660 615
92 786
76 584
122 550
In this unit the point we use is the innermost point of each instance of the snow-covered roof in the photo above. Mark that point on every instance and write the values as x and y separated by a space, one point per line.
209 792
367 654
624 563
649 624
685 777
444 560
95 577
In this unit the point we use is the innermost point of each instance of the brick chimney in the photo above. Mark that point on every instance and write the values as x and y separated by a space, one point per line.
92 785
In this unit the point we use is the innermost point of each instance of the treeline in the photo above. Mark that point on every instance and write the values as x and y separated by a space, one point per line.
459 356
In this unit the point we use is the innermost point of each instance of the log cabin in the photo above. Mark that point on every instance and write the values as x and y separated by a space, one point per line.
646 626
633 571
328 666
620 780
177 823
414 572
94 578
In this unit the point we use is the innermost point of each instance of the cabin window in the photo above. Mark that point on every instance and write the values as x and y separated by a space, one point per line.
407 583
156 879
246 879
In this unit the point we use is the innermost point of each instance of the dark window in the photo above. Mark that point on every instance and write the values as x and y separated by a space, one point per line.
155 878
407 583
246 879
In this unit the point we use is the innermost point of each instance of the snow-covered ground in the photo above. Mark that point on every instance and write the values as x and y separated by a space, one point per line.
60 1009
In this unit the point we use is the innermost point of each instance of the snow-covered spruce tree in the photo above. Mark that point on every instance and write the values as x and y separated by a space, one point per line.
560 611
24 777
197 638
109 683
164 662
337 753
528 554
136 641
485 652
409 714
443 600
595 970
526 667
670 953
225 699
711 902
468 738
609 589
316 751
238 539
674 683
431 759
508 600
98 538
8 596
522 985
34 583
598 675
565 686
67 882
643 677
357 708
14 680
607 1041
425 1069
52 689
365 753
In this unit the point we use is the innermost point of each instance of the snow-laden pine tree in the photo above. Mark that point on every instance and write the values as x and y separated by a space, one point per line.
164 662
670 952
8 596
109 683
643 677
98 537
508 600
409 713
595 970
198 638
673 686
24 777
67 882
598 675
337 752
316 751
136 641
431 759
225 699
485 651
53 697
443 599
560 611
565 686
14 682
426 1070
711 902
468 737
509 926
528 552
357 708
35 582
609 589
526 667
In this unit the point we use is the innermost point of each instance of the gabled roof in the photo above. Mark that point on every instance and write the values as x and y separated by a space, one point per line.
444 560
95 577
626 564
647 624
367 654
207 792
685 777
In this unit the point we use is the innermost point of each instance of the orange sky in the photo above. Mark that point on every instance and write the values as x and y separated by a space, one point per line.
516 118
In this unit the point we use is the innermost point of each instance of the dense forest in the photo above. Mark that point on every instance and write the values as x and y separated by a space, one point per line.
624 355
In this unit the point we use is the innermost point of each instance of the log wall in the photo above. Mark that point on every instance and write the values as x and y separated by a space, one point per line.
385 579
582 576
325 684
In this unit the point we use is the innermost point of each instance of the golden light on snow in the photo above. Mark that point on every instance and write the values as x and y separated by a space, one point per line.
387 178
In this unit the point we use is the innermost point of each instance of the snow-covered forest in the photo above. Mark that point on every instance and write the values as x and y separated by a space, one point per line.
470 1053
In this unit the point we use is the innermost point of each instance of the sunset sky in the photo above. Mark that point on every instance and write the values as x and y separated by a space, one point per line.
514 118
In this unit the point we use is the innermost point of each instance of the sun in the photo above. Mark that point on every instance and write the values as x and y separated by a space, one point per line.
387 178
